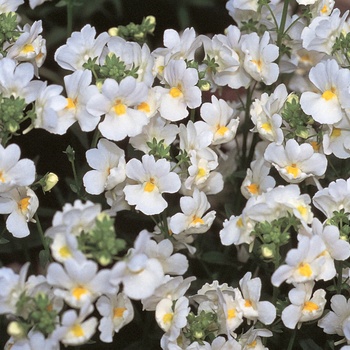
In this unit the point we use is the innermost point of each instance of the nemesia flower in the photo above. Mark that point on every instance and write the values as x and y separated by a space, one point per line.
249 303
333 321
152 179
79 92
116 311
30 46
115 198
116 102
158 128
296 162
172 288
48 103
64 246
322 32
182 91
304 263
328 103
266 114
34 340
303 307
251 340
78 329
80 47
257 179
192 219
259 57
173 264
13 285
171 318
137 269
21 203
14 171
78 281
108 161
218 117
16 80
322 8
336 139
34 3
335 197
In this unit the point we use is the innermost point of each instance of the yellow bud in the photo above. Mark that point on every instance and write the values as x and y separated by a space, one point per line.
292 97
205 87
16 330
151 19
51 180
113 31
267 252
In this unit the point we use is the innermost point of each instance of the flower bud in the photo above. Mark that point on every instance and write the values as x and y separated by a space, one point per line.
51 180
113 31
16 330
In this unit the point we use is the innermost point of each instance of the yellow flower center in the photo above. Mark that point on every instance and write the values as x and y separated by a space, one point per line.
65 252
78 292
302 210
175 92
2 179
305 270
119 108
253 188
70 103
221 130
292 169
231 313
23 204
168 317
144 107
267 127
28 48
252 344
315 145
258 64
239 223
201 172
336 132
329 94
77 330
310 306
248 303
149 186
197 220
118 312
324 9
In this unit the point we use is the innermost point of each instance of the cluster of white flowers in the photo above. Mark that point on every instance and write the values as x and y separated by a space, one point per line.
289 122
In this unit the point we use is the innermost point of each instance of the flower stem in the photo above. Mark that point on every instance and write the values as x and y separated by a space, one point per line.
41 234
69 17
291 340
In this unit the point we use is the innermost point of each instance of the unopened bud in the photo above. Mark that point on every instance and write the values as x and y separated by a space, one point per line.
113 31
16 330
150 19
267 252
51 180
292 97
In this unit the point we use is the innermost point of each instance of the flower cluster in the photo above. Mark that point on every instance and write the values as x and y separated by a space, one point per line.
165 148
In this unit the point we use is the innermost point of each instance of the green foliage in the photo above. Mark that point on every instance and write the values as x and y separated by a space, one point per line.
158 149
201 327
341 48
8 29
101 243
341 220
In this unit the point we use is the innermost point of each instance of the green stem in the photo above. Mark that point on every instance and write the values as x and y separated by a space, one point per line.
339 267
70 7
95 138
292 339
41 234
281 32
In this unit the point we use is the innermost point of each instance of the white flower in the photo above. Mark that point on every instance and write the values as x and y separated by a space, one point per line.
21 203
139 274
116 311
79 92
171 318
78 329
336 139
251 340
10 6
296 162
257 179
172 264
153 178
249 303
332 322
79 281
192 219
335 197
108 160
328 103
303 307
80 47
117 103
218 117
13 171
304 263
259 57
34 3
182 91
